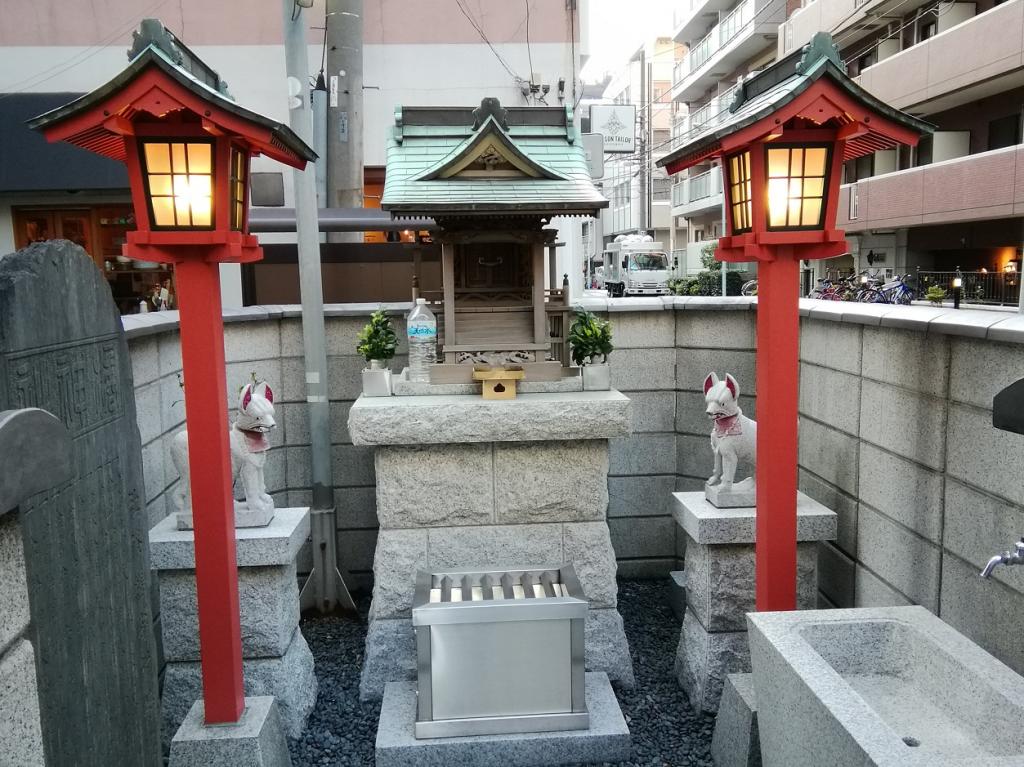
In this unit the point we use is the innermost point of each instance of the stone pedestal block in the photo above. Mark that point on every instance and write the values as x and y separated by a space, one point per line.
736 742
21 737
465 483
256 740
677 593
276 659
720 587
289 679
705 658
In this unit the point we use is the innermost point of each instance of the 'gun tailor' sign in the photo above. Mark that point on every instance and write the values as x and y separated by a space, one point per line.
617 123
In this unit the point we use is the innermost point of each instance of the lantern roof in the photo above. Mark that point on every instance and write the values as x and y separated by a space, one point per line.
487 161
161 79
811 83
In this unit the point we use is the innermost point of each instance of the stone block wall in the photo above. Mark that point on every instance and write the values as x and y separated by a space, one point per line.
895 436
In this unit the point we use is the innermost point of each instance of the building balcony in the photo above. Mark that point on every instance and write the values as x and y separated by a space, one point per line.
980 186
958 65
692 18
697 194
741 34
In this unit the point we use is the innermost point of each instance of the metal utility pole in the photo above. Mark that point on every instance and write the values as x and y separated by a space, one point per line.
649 156
644 122
325 588
344 108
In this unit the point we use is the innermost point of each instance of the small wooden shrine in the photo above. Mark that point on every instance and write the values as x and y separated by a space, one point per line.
493 178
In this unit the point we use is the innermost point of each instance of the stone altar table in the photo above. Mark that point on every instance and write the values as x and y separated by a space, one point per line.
720 587
468 483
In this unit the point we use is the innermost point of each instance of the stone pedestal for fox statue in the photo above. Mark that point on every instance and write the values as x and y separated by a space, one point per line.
734 441
249 446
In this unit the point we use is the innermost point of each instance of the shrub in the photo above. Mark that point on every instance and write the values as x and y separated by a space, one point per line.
935 294
377 340
710 284
589 337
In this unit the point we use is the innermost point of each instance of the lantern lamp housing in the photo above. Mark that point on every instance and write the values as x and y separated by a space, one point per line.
782 147
188 148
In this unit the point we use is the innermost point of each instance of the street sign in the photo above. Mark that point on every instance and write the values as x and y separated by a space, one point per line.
617 123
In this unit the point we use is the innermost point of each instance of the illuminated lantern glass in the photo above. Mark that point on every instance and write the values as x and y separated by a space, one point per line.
797 180
179 183
738 173
238 181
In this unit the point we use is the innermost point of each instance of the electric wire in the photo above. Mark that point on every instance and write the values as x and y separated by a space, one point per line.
33 81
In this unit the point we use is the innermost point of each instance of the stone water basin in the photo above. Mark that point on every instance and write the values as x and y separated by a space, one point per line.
880 686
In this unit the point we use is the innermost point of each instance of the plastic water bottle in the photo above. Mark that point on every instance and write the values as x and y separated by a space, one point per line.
422 330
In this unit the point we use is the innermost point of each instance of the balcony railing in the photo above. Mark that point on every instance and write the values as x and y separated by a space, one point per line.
697 188
720 35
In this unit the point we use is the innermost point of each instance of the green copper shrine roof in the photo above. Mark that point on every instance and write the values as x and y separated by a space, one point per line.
492 160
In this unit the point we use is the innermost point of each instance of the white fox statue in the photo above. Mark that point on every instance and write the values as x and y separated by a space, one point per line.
733 439
249 446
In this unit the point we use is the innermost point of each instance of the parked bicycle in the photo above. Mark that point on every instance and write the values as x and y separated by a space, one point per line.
896 291
749 288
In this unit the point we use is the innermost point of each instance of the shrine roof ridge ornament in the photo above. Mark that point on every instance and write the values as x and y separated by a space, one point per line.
785 84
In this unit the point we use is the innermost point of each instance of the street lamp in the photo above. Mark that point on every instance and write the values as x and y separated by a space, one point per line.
958 283
782 147
187 146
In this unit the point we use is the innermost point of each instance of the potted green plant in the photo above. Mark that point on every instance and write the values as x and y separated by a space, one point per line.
377 343
590 339
935 294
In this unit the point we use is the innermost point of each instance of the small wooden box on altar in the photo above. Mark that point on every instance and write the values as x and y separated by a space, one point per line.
498 382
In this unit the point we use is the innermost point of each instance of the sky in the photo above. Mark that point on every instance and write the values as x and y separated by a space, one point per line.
618 27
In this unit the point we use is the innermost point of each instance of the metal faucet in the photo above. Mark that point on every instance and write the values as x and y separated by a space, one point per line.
1006 558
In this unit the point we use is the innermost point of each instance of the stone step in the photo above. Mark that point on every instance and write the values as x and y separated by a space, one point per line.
607 740
736 742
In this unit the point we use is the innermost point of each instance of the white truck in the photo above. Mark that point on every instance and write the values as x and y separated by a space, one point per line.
635 265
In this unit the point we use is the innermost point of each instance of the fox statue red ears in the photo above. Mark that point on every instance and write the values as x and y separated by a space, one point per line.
730 384
257 388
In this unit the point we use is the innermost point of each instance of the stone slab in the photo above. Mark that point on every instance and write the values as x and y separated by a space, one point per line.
706 524
436 485
720 582
244 517
551 481
677 593
736 742
257 740
14 610
21 737
276 544
607 740
406 388
742 495
289 679
268 601
704 659
419 420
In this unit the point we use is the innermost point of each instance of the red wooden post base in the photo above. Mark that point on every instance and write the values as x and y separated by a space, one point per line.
209 458
778 343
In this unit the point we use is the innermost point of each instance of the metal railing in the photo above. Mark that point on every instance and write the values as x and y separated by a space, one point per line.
721 34
993 288
705 185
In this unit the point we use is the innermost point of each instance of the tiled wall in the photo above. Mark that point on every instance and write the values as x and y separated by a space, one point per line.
895 436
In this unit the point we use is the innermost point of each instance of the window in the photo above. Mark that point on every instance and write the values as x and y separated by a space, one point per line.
1004 132
739 192
179 180
796 186
237 189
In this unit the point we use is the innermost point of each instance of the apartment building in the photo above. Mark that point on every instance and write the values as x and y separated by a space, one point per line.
724 40
956 200
639 191
447 52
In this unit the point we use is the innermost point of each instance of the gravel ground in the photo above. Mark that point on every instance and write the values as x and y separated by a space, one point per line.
666 731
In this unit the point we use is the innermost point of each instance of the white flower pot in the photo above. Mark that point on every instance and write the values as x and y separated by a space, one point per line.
596 377
376 380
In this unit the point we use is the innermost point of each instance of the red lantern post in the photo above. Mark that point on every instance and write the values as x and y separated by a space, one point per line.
782 148
187 147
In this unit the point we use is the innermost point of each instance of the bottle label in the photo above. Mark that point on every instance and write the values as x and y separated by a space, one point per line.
423 329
